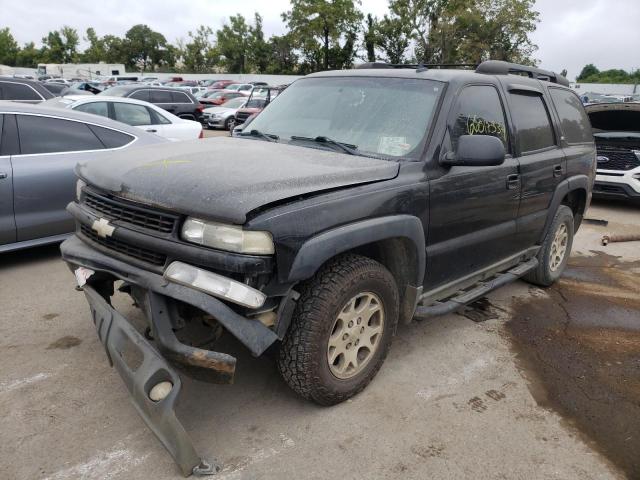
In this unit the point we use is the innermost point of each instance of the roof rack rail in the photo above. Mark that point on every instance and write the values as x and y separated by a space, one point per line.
498 67
414 66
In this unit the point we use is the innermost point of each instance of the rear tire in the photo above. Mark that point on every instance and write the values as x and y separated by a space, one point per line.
228 123
555 251
341 330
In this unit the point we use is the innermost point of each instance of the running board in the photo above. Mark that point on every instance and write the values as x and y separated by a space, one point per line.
480 290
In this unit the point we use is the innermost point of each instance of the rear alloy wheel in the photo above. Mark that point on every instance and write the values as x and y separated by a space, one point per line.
228 123
555 250
341 330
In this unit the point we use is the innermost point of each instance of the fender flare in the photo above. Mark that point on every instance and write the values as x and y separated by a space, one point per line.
326 245
577 182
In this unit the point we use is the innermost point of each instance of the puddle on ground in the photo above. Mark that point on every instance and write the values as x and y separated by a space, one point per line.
580 348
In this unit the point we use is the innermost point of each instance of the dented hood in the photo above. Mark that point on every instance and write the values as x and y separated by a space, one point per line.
225 178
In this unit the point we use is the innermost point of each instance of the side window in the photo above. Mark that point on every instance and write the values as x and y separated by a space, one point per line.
111 138
1 122
51 135
158 118
161 96
132 114
180 97
140 95
478 111
532 122
96 108
18 91
573 119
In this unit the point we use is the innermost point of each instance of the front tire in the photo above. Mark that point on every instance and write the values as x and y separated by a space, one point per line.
341 330
555 251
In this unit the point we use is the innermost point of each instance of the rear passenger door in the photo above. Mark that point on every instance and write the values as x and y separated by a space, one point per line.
7 220
542 160
43 171
137 116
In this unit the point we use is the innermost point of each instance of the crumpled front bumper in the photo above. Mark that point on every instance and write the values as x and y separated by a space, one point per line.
119 337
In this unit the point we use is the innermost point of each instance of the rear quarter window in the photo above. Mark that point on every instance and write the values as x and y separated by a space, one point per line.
161 96
573 119
53 135
111 138
180 97
531 119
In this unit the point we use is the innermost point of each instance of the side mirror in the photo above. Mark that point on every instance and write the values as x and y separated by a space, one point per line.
476 151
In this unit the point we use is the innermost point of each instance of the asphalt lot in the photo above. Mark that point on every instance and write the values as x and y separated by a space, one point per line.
485 395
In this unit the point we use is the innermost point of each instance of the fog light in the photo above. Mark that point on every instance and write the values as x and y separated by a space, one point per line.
214 284
160 391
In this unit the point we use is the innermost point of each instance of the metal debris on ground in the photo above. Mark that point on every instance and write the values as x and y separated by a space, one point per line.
613 238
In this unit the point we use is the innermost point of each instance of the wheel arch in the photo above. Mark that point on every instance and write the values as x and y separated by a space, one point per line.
572 192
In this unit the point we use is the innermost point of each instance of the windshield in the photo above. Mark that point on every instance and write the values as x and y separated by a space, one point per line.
381 116
234 103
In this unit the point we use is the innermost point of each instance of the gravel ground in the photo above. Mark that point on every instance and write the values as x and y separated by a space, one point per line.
481 395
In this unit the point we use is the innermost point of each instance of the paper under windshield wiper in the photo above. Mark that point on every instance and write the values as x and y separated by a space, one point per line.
257 133
345 147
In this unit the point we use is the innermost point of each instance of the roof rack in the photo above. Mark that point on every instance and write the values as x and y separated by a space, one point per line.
415 66
498 67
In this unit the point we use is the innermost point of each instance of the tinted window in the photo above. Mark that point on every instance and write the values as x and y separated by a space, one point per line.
573 119
140 95
531 119
97 108
179 97
132 114
111 138
49 135
478 111
161 96
158 119
18 91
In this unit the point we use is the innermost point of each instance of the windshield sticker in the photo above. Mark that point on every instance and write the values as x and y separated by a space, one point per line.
393 146
479 126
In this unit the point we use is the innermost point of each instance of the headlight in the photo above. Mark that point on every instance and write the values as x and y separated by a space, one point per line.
79 186
227 237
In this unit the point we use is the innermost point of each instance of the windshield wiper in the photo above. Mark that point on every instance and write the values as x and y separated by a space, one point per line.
269 137
345 147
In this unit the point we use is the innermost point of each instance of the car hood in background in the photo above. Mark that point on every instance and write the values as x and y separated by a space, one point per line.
616 117
225 178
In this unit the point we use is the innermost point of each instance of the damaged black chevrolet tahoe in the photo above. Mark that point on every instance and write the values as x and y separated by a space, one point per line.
356 201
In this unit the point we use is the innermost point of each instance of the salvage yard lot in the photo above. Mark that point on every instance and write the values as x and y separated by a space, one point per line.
507 395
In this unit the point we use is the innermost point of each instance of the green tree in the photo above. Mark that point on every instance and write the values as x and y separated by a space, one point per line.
200 53
393 38
95 52
28 56
144 48
282 57
317 26
588 71
61 46
8 47
370 37
259 48
234 43
114 49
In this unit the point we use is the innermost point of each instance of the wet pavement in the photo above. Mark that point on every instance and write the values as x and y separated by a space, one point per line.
580 347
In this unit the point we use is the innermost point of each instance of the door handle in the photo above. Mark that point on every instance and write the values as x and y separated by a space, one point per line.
557 170
513 182
3 175
152 130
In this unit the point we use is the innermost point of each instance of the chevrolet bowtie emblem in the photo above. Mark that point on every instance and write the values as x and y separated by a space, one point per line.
103 228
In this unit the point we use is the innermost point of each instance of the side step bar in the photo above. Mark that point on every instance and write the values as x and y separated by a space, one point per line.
479 291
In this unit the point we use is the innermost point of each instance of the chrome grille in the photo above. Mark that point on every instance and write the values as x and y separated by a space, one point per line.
134 251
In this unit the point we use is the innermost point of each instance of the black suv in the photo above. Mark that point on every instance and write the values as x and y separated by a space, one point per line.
23 90
357 201
179 102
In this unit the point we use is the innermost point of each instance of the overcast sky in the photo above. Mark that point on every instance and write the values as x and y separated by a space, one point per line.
571 33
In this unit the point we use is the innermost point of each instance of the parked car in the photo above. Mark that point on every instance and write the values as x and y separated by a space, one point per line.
616 129
57 89
182 104
244 88
259 84
358 200
258 100
23 90
217 84
137 113
58 80
193 90
223 116
39 150
218 97
91 87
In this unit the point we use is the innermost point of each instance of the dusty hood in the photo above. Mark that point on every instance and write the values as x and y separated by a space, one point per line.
225 178
614 117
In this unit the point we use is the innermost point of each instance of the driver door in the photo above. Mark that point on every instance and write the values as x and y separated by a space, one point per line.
7 219
473 209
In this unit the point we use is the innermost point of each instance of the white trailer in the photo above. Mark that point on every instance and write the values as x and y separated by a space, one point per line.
81 70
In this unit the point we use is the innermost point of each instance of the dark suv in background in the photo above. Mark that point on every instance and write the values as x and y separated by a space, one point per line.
179 102
357 201
23 90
